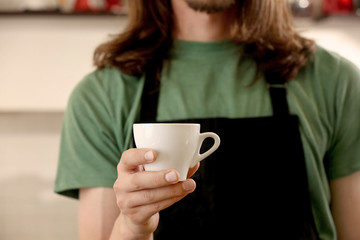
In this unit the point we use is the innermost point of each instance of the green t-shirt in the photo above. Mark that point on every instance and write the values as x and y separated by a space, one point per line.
203 80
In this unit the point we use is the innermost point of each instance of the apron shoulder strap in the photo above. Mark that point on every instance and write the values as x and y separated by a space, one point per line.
150 96
277 88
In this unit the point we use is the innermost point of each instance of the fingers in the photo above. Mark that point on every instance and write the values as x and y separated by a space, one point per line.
133 158
142 194
141 205
153 183
139 180
150 196
147 180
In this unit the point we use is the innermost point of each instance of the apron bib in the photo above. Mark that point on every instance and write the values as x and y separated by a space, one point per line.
253 187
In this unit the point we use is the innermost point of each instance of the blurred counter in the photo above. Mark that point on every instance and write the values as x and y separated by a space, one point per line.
338 33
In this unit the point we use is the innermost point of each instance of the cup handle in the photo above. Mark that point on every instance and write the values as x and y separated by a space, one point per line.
198 157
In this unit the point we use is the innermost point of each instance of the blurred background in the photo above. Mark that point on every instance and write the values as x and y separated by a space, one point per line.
46 47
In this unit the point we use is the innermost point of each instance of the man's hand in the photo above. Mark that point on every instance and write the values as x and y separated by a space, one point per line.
141 195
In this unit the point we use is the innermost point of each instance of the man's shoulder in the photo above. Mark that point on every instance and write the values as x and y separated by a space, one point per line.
106 81
108 77
330 69
332 62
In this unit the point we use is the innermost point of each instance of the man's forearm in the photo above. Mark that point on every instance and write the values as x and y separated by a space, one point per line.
122 232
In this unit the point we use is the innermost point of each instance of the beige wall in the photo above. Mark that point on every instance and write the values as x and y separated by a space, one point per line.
28 157
43 57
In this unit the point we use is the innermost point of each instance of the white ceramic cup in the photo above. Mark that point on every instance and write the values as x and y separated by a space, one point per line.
177 145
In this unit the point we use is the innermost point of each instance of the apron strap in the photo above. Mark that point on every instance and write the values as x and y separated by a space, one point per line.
150 96
278 92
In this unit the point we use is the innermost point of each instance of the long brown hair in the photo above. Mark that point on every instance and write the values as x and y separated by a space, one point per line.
264 27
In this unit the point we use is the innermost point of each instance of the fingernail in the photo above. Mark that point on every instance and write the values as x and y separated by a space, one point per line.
171 177
188 185
149 156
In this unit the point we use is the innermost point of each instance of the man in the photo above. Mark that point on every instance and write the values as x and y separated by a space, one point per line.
287 114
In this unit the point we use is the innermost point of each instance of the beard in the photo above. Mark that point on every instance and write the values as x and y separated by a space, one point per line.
210 6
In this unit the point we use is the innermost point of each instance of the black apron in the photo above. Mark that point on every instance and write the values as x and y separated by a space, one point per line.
253 187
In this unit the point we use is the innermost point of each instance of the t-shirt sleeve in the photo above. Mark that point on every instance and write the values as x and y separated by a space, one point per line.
344 153
88 151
